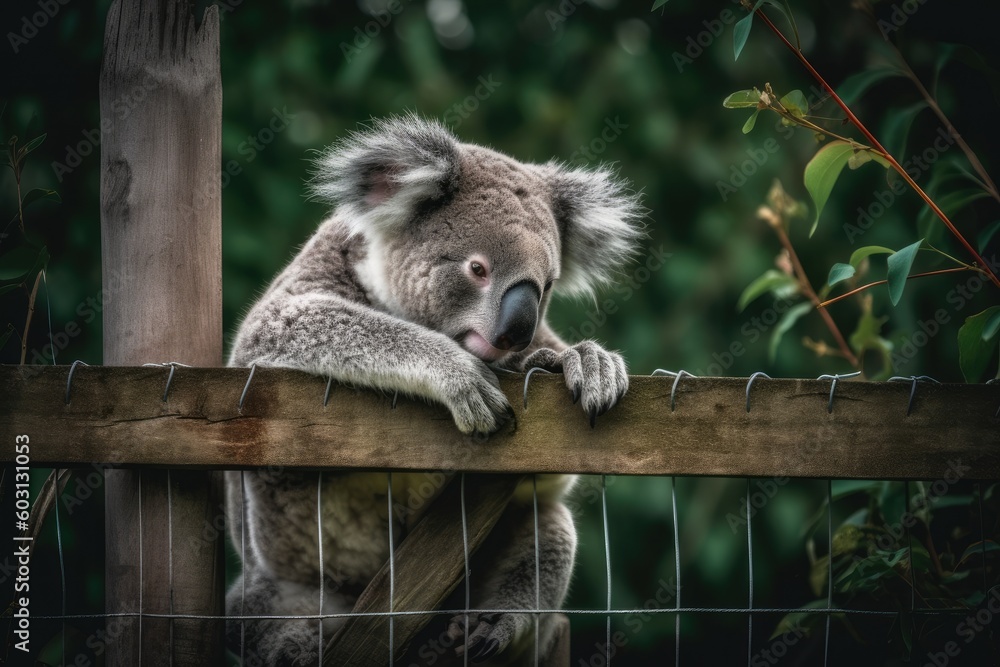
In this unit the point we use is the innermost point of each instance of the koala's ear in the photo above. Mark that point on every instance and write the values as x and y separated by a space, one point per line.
379 177
600 224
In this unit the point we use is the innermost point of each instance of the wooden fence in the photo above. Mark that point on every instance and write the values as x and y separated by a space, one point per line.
117 415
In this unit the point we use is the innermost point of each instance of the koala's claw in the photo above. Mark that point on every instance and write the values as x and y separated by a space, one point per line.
486 635
489 649
595 377
478 406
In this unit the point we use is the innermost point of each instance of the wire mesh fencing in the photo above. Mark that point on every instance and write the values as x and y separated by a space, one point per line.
616 633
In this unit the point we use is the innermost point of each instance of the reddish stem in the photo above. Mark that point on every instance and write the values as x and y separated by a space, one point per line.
883 282
800 273
875 144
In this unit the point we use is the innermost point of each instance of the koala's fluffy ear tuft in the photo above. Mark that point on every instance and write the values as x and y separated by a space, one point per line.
600 223
379 177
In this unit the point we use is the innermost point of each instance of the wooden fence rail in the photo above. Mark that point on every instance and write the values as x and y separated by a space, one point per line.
117 416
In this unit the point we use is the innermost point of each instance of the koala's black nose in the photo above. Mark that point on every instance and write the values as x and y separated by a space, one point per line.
517 318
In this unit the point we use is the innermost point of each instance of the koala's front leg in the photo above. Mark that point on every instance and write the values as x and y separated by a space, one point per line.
507 581
596 377
330 336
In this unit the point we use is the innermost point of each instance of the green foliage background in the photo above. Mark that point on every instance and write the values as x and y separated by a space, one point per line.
565 71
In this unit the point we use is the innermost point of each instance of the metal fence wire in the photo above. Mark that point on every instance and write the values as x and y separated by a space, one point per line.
667 654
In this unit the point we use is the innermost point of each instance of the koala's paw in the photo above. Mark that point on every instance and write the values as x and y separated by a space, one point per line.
487 634
596 377
476 402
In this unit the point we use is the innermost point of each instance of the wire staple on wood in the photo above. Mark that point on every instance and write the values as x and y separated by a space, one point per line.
833 387
170 377
69 378
677 378
527 379
246 387
326 395
913 387
750 384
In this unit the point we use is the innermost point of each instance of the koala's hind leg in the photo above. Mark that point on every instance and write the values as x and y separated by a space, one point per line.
279 642
503 577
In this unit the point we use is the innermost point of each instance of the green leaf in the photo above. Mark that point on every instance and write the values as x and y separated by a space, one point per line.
896 128
984 236
796 103
857 84
782 6
742 30
977 549
846 487
953 500
742 99
863 157
867 337
992 326
974 350
32 145
839 272
751 121
795 622
6 288
899 268
822 172
892 501
658 4
859 159
787 321
38 193
906 634
863 253
769 281
968 56
16 264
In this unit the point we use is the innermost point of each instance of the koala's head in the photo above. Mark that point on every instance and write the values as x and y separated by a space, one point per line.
467 241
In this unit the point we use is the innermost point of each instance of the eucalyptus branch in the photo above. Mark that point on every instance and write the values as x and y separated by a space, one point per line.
31 312
987 183
15 165
810 293
822 306
876 144
944 254
784 113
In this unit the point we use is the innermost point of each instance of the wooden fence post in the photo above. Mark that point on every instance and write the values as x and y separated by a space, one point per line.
161 110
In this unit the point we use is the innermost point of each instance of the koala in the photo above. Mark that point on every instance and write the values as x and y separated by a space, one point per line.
434 270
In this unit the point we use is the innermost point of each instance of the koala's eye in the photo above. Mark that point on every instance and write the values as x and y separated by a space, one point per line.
478 269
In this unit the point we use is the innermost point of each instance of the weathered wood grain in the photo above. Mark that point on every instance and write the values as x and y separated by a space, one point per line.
364 641
116 416
161 111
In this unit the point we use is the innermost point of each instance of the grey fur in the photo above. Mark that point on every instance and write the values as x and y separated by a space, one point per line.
385 295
